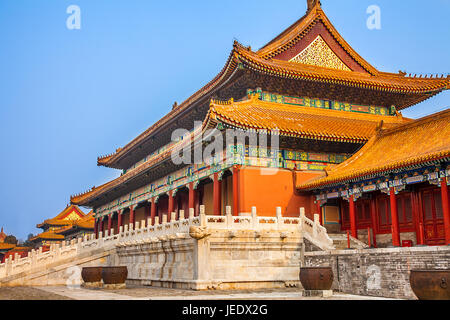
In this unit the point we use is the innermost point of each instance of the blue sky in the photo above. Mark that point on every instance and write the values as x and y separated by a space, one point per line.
68 96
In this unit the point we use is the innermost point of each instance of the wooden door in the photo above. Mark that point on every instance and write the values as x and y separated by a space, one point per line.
433 222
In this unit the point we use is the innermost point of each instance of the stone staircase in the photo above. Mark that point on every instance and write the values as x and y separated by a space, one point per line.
59 273
340 242
63 262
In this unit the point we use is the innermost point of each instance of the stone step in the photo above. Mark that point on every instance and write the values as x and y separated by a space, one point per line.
340 241
24 278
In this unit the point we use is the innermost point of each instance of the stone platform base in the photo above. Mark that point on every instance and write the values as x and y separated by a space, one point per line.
199 285
92 285
223 260
317 293
114 286
379 272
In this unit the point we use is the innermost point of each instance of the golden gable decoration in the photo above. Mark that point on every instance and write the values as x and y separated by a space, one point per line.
318 53
73 216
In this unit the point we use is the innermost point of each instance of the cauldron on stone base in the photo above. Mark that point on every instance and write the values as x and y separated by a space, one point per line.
316 278
430 284
92 276
114 277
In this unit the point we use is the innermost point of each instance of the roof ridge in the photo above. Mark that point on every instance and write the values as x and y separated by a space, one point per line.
296 32
416 122
380 82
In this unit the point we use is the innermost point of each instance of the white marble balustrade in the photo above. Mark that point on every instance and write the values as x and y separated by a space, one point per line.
144 232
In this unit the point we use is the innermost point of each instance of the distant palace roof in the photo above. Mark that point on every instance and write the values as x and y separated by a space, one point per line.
66 217
6 246
48 235
85 223
69 216
417 142
293 56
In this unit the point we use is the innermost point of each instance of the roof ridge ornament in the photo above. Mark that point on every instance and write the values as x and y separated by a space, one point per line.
379 128
312 4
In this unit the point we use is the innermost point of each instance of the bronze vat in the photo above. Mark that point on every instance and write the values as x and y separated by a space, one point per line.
430 284
114 275
316 278
91 274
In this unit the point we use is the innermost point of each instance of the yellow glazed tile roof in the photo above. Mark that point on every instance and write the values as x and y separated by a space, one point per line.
80 199
87 222
60 219
50 235
264 62
303 122
6 246
419 141
296 121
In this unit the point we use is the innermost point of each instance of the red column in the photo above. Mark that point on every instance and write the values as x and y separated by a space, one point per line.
119 221
216 195
352 210
445 210
170 206
235 191
132 217
153 211
374 221
418 226
394 218
100 229
96 228
147 211
191 196
109 223
319 212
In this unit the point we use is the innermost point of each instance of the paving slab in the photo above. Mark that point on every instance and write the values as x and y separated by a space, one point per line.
168 294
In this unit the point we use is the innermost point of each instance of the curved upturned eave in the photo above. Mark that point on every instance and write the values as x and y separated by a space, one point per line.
241 56
386 82
337 175
224 75
87 198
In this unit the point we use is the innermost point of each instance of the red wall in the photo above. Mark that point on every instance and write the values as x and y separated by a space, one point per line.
266 192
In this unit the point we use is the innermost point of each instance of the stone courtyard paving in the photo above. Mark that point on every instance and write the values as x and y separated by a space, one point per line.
27 293
152 293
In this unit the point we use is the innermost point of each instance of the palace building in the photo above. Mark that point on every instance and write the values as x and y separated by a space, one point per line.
69 222
345 150
79 228
4 248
